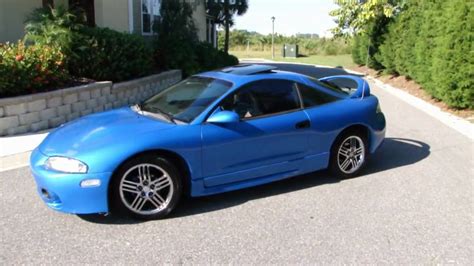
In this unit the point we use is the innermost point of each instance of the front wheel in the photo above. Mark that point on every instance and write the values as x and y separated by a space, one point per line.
349 155
146 187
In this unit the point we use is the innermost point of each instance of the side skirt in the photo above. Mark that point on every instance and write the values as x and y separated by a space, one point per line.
306 165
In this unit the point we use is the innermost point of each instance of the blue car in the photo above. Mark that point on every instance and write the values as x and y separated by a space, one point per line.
214 132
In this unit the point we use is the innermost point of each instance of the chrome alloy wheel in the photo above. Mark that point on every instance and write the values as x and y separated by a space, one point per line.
351 154
146 189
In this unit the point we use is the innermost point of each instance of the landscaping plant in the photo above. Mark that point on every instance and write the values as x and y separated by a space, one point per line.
105 54
29 69
176 44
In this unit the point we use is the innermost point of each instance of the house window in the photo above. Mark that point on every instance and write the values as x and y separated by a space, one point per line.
210 31
150 13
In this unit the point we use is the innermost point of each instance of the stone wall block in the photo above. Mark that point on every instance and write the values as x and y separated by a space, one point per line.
108 106
64 110
54 102
16 109
35 127
111 98
47 114
106 90
95 93
18 130
37 105
91 103
72 116
84 95
86 112
8 122
56 121
29 118
101 100
70 98
78 107
98 109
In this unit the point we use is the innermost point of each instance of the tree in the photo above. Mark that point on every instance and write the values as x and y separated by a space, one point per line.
176 37
223 11
353 15
367 20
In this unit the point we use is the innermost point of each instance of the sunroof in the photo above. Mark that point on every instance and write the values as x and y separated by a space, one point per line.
248 69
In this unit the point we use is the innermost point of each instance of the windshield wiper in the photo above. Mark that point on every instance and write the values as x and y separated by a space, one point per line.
158 110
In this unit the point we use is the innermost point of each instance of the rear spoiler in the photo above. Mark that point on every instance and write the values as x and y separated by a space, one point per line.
363 88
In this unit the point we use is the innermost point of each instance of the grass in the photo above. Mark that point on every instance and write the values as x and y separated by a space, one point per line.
327 60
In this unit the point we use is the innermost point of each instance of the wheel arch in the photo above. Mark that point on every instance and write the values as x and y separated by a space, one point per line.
360 128
177 160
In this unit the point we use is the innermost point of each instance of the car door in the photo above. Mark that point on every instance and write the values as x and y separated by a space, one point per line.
270 139
325 118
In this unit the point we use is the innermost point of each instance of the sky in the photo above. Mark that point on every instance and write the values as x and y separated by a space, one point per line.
291 16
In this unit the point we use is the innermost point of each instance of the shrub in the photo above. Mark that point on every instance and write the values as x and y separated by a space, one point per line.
95 53
29 69
105 54
209 58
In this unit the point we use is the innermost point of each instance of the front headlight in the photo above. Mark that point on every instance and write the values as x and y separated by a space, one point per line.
66 165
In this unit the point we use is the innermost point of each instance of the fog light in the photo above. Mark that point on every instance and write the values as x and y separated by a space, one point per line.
45 193
90 183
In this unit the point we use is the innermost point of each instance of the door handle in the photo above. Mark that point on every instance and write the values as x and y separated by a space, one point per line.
303 124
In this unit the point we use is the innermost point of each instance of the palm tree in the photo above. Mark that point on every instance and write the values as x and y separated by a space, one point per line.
223 11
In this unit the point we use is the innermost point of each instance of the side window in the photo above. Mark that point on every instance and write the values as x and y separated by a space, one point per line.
263 98
313 97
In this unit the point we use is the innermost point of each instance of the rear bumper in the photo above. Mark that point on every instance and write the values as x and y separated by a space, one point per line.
63 192
377 133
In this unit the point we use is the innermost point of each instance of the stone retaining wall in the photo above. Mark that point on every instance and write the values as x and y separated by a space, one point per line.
41 111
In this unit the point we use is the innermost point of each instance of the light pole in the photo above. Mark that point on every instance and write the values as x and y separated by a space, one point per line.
273 37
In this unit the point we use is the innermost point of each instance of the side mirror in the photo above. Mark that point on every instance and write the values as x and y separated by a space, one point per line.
223 117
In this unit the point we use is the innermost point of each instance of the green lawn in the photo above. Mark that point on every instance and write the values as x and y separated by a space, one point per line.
327 60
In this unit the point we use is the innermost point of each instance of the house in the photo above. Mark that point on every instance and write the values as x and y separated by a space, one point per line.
133 16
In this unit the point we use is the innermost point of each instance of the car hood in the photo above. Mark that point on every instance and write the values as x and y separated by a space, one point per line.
93 132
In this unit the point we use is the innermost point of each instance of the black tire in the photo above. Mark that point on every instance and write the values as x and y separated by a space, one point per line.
123 197
337 160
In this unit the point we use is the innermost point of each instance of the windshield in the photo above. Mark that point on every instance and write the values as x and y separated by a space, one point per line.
331 86
187 99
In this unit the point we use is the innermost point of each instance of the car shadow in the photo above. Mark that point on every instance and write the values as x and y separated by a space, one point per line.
393 153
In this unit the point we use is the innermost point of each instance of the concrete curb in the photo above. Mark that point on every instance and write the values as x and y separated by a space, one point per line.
14 161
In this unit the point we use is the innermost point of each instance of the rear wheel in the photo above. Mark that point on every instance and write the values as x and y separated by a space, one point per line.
349 155
146 187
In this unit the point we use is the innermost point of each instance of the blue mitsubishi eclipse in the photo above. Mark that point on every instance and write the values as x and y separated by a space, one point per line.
214 132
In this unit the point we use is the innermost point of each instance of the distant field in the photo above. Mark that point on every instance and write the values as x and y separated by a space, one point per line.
328 60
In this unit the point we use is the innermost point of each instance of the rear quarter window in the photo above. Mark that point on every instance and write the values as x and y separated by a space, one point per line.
313 97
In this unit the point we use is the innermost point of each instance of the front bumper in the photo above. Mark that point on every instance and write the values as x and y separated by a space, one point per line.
63 192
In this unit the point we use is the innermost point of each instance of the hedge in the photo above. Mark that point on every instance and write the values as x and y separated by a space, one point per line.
105 54
431 42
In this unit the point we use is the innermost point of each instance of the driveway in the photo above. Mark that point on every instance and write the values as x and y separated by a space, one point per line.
414 204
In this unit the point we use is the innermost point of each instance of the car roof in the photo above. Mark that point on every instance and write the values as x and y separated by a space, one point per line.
242 74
